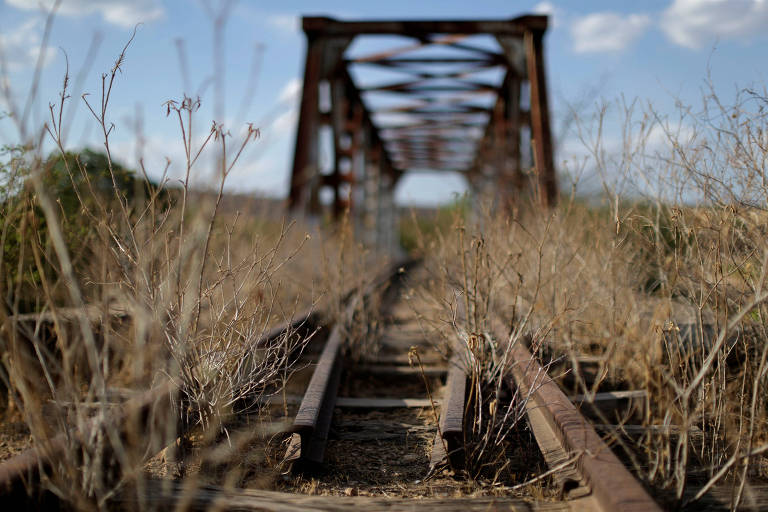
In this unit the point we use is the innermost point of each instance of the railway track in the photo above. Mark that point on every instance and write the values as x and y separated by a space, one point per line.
373 429
588 475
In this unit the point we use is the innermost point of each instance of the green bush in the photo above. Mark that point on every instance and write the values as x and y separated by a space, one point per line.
83 189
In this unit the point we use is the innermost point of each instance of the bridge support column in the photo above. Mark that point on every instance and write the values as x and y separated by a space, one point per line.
323 65
541 136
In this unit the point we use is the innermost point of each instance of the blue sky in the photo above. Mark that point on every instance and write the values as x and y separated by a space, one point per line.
657 51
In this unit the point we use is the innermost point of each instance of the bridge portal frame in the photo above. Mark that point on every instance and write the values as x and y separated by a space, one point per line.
368 161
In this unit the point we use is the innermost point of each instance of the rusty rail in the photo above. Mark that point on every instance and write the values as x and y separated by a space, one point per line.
554 416
309 432
21 476
550 412
313 420
449 442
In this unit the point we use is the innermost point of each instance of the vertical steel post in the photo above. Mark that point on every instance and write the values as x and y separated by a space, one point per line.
339 119
305 155
514 169
370 191
540 130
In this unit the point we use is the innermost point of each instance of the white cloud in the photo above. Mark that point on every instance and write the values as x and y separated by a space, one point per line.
21 47
607 31
284 124
664 136
549 9
692 23
290 91
284 22
544 8
123 13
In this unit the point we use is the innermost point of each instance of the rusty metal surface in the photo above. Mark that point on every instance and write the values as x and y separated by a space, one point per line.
313 420
452 416
611 483
514 26
540 132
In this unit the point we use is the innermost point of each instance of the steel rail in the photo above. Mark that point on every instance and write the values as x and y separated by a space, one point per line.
449 442
21 476
309 431
610 482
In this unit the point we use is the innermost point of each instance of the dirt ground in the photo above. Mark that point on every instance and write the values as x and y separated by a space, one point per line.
14 435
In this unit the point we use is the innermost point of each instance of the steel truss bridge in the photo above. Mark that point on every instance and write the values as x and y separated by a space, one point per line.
453 102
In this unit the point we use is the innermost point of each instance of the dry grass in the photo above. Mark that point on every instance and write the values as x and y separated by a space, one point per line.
197 287
666 285
474 276
133 284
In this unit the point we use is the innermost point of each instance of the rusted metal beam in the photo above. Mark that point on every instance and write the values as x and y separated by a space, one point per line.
435 126
413 154
305 149
473 49
438 165
421 110
452 158
376 141
500 147
422 86
434 166
324 57
540 130
437 149
513 27
420 152
409 61
346 123
454 142
445 160
431 147
333 180
553 414
422 42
